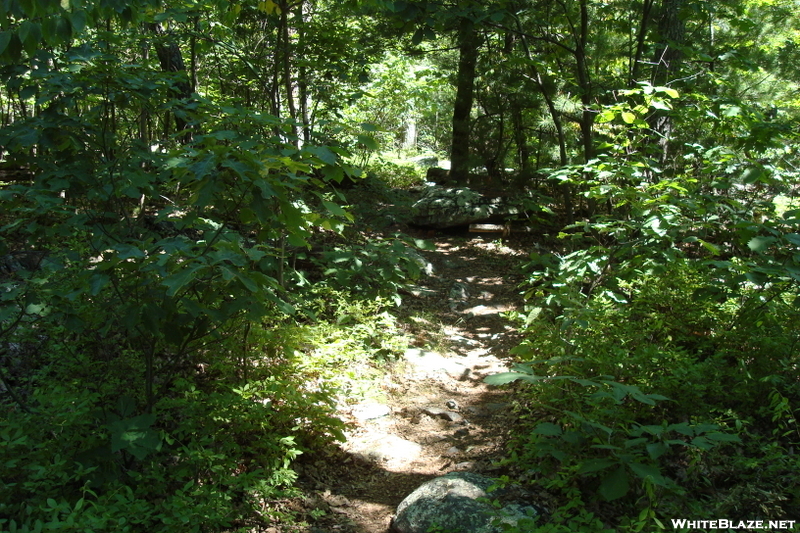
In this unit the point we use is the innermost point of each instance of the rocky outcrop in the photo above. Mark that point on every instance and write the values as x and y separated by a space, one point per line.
442 207
458 502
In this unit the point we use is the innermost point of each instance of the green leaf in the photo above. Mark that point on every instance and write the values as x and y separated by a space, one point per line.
78 21
752 175
97 283
5 38
505 377
180 279
606 115
656 449
595 465
548 429
334 209
63 29
247 282
323 153
672 93
368 141
760 244
648 471
135 436
628 117
683 428
722 437
615 485
702 443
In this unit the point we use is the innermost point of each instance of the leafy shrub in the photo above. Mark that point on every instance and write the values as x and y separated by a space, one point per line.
396 174
634 342
379 267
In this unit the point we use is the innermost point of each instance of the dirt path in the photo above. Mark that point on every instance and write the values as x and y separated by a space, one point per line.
440 416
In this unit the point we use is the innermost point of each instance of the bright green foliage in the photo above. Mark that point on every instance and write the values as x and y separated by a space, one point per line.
146 388
664 334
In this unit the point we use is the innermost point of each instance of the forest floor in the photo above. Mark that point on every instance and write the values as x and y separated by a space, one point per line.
438 415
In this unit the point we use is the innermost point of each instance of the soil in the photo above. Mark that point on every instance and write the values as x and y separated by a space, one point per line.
439 416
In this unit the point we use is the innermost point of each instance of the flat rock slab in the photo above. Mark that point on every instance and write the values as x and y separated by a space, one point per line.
444 414
388 451
369 411
441 208
455 502
432 363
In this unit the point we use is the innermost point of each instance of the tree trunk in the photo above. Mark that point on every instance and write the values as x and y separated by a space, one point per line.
468 44
171 60
634 68
587 116
666 65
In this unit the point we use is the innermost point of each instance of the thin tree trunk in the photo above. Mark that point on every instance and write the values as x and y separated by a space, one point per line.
468 44
635 66
171 60
587 116
566 190
666 65
286 69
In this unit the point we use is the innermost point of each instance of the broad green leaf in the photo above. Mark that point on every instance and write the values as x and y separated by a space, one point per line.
702 443
5 38
722 437
63 29
615 485
760 244
334 209
793 238
97 283
135 436
672 93
595 465
180 279
323 153
423 244
505 377
418 36
606 115
548 429
660 105
683 428
247 281
628 117
656 449
752 175
78 21
647 471
368 141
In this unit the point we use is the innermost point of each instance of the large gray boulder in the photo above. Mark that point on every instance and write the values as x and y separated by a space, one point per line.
442 207
457 502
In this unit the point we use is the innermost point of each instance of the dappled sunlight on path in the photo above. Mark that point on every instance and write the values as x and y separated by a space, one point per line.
439 415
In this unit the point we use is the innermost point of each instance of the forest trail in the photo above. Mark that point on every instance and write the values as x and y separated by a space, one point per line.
439 416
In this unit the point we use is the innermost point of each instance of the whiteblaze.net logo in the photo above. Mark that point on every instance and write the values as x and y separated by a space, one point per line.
722 523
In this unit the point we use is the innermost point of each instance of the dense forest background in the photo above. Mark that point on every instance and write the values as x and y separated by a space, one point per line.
178 246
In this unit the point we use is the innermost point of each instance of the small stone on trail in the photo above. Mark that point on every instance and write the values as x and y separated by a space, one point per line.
452 404
390 450
369 411
443 413
463 432
452 451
